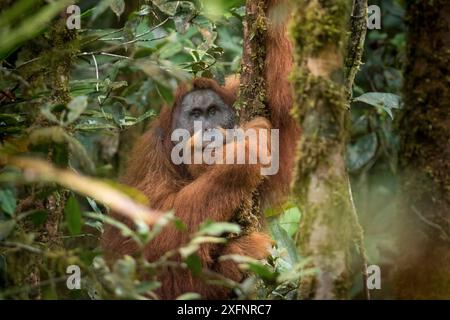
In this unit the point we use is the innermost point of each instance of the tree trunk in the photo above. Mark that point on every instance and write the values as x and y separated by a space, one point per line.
329 226
252 94
423 272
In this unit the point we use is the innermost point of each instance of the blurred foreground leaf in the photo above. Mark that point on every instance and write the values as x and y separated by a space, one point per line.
13 31
41 171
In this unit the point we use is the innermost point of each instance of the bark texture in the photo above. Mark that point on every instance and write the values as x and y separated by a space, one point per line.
329 226
423 272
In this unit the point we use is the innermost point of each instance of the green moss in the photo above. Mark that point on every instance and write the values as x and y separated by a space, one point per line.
48 60
252 92
321 109
318 24
329 226
355 47
253 98
426 119
424 127
65 47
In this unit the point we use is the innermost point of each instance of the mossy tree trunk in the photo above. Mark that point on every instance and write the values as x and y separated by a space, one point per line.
252 94
423 272
64 47
329 227
50 70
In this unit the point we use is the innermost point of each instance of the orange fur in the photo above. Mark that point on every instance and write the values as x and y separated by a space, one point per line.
215 192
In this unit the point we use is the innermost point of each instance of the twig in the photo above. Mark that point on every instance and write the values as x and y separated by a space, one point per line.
355 48
100 37
27 62
136 39
359 240
428 222
103 54
15 76
147 32
96 72
21 246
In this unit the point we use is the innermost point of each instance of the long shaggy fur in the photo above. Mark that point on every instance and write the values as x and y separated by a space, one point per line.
219 191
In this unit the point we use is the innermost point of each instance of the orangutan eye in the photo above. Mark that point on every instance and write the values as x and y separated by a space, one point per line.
212 110
196 113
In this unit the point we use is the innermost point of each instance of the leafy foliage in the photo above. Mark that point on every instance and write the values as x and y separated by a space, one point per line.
372 155
115 74
78 99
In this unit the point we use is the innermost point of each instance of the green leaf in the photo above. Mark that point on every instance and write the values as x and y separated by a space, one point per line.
384 101
8 201
362 151
214 10
262 271
93 205
76 108
92 125
165 93
253 265
195 243
118 7
297 271
100 8
147 286
133 193
73 216
184 16
11 119
46 111
6 227
194 264
188 250
170 49
189 296
218 228
38 217
290 220
124 230
144 10
127 121
125 267
168 7
216 51
283 240
179 224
